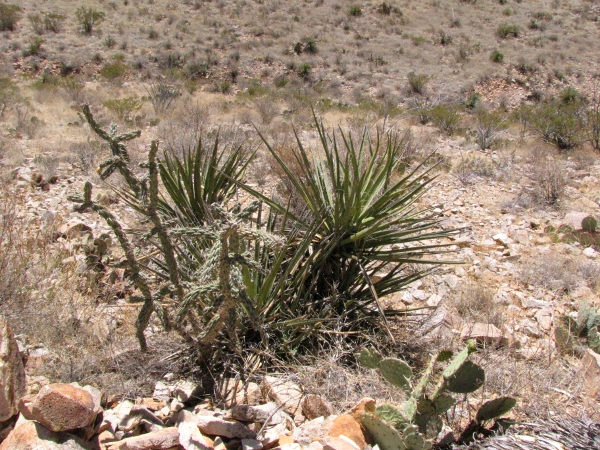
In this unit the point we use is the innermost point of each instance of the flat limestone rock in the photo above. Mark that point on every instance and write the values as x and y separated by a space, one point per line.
166 439
34 436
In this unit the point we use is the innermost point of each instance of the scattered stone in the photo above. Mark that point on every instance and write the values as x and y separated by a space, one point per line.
215 426
190 437
445 437
60 407
283 392
544 319
251 444
275 434
13 382
574 218
502 239
315 429
440 324
485 333
34 436
73 230
166 439
185 391
161 392
233 392
346 425
339 443
590 365
314 406
261 413
589 252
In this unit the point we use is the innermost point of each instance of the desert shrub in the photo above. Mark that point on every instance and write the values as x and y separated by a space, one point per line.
446 117
445 38
304 71
9 16
469 168
507 30
560 123
497 56
283 292
88 17
549 182
162 95
417 82
591 118
487 126
113 71
355 11
9 95
124 108
53 22
34 47
570 95
475 302
196 69
36 23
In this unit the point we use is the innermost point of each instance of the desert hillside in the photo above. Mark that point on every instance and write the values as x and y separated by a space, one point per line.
299 225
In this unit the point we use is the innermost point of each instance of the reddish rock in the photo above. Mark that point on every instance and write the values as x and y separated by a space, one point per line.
485 333
60 407
590 365
348 426
190 437
167 439
13 383
314 406
365 405
34 436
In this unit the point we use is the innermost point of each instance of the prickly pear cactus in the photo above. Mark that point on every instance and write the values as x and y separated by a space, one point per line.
368 358
396 372
392 416
589 224
495 408
467 378
385 435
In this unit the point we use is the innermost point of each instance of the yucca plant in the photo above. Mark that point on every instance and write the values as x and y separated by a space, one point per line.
358 236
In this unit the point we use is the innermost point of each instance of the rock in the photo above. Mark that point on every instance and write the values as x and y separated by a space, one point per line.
502 239
161 393
365 405
72 230
185 391
531 302
215 426
544 318
445 437
315 446
314 406
261 413
34 436
346 425
339 443
589 252
440 324
574 218
484 333
312 430
251 444
136 415
530 328
13 382
590 365
61 407
160 440
273 435
283 392
190 437
34 384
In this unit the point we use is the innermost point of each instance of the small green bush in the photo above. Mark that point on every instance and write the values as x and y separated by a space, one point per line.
417 82
355 11
112 71
304 71
446 118
9 16
123 108
507 30
561 124
88 18
570 95
497 56
53 22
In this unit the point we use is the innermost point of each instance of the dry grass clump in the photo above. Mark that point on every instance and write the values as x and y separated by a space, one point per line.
475 302
559 273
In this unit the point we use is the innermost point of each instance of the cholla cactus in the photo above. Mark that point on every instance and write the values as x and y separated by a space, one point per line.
210 300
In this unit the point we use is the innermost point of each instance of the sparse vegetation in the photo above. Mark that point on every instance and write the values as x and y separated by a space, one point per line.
88 17
507 30
9 16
